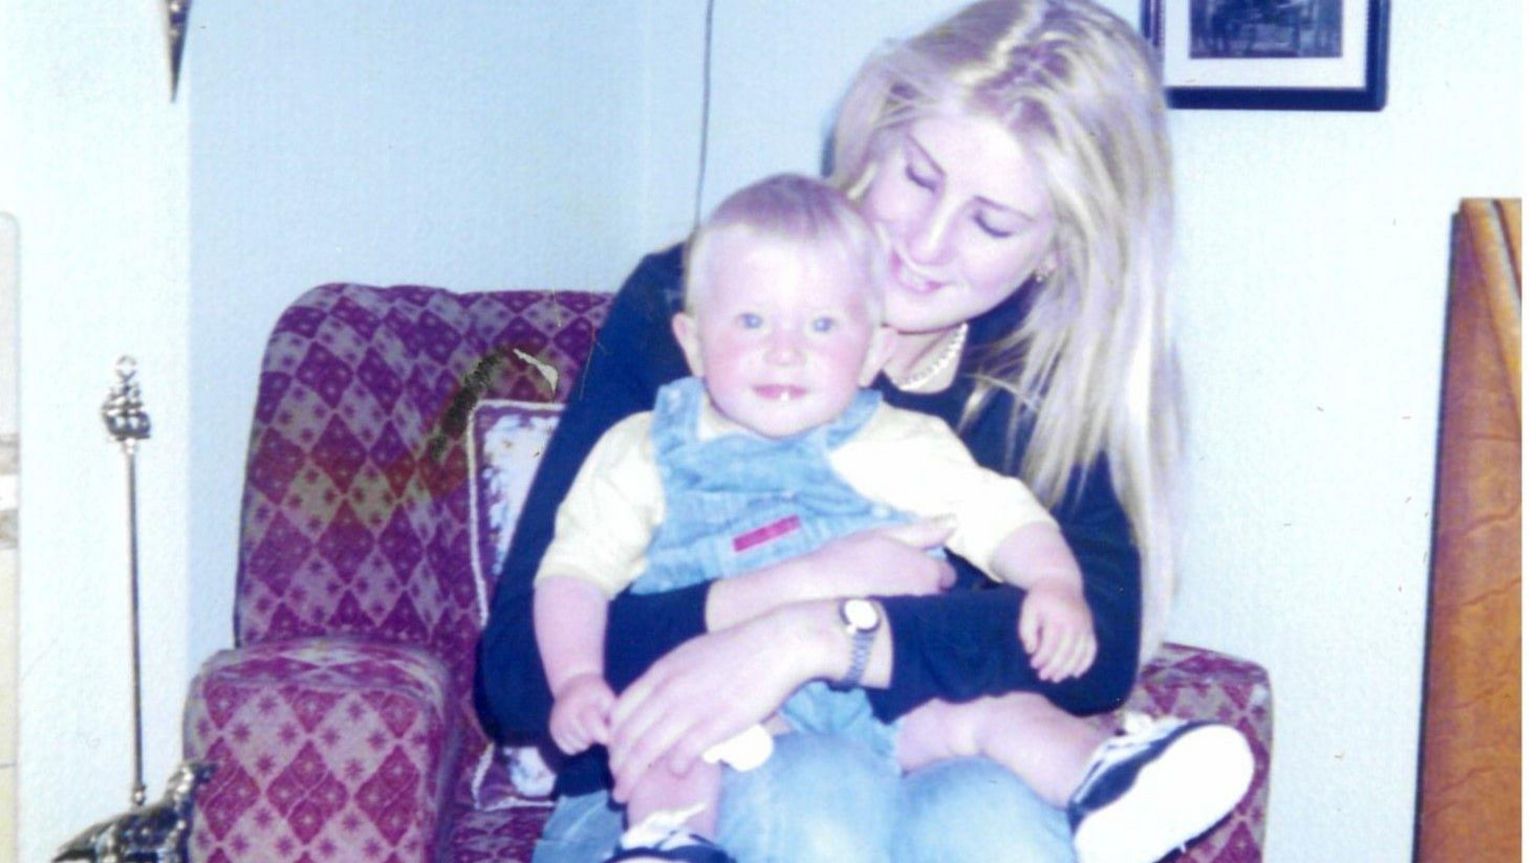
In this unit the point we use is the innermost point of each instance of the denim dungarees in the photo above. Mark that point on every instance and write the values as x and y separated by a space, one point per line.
739 502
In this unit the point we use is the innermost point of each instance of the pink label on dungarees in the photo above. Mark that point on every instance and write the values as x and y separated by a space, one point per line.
768 532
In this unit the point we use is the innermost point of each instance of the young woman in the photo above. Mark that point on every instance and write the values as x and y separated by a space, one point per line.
1014 164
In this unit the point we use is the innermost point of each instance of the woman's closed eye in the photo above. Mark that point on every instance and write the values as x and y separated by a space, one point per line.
921 178
993 227
998 221
920 169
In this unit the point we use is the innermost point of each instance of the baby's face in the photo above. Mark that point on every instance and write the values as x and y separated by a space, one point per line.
783 333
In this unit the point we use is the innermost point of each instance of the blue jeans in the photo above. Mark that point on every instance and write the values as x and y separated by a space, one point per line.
821 799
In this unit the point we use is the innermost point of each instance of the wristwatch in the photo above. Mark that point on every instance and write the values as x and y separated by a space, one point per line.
861 620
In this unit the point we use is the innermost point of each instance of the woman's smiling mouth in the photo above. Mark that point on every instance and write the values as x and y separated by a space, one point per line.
910 279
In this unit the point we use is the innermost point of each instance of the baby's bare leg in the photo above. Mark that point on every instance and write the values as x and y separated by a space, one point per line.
1044 745
662 790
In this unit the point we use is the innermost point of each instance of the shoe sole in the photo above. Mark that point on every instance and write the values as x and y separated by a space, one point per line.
1163 808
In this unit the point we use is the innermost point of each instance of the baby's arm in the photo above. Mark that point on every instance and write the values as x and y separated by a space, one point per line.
940 477
1055 623
601 531
569 618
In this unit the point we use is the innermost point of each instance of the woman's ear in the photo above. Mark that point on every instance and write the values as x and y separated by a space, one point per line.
686 329
1050 263
882 344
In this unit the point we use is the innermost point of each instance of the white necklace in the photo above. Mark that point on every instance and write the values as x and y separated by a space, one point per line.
939 363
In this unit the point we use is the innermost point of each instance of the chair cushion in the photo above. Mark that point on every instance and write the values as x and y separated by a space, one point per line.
506 440
321 743
501 836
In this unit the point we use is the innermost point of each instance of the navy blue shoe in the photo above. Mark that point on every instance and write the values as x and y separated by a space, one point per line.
1155 787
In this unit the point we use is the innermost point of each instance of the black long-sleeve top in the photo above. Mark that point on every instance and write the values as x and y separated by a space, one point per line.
957 646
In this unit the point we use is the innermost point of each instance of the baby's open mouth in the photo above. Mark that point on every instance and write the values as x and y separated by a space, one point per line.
779 392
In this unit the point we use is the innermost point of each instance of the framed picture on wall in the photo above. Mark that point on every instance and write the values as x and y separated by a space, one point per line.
1310 55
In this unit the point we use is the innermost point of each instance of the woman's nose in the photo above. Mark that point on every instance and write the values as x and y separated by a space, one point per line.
928 237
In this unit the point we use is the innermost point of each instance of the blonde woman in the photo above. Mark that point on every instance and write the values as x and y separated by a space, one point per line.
1014 164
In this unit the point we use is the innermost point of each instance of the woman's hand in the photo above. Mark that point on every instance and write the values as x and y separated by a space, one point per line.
716 686
886 561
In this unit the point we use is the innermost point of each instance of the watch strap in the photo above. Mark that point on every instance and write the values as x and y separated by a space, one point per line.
863 642
863 645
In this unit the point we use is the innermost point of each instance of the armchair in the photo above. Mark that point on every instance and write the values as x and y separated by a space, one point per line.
342 722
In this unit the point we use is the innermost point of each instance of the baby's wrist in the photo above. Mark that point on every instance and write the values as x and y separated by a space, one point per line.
573 679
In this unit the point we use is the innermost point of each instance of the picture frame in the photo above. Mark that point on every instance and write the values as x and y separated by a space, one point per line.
1306 55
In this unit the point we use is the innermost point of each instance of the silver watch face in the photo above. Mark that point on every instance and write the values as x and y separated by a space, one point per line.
860 614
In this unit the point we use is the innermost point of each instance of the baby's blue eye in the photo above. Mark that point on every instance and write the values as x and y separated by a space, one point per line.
823 325
750 320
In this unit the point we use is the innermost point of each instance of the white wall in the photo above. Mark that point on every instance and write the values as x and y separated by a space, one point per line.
1313 279
93 163
471 145
534 144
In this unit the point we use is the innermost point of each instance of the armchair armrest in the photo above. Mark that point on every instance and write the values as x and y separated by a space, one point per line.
1195 683
325 748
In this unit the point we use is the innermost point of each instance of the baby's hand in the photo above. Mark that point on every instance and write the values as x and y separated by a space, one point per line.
1057 630
581 713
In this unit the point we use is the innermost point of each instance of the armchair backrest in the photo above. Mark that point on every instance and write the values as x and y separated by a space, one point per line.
356 503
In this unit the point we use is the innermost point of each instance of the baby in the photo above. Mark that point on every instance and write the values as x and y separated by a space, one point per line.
774 448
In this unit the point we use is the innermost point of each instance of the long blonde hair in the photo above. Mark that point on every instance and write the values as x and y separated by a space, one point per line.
1092 360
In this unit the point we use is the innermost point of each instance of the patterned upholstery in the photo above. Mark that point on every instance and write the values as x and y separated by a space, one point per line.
342 722
301 708
1202 684
356 606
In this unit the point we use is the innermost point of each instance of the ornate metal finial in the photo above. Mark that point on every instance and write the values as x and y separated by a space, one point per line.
123 411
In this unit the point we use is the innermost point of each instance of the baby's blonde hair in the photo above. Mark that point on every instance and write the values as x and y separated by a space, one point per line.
1092 360
794 208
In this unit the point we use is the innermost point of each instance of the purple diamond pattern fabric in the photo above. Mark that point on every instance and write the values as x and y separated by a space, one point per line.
342 722
321 744
1195 683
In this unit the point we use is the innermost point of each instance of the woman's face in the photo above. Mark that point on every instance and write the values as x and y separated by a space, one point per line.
963 215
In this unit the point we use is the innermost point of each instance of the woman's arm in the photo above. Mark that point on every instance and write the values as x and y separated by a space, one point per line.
699 695
965 645
957 646
889 561
634 354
